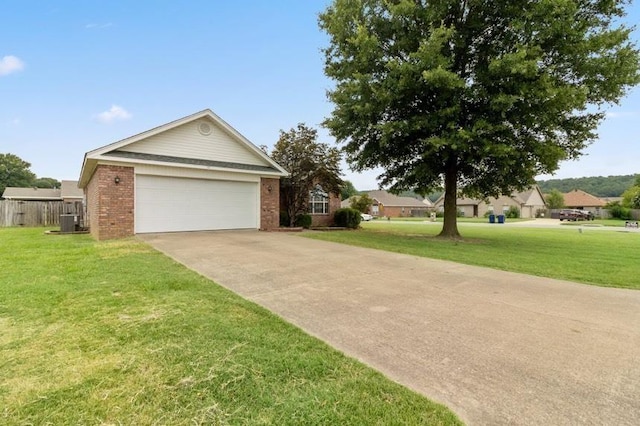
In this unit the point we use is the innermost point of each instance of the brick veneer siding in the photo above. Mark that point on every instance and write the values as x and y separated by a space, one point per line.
395 211
110 206
269 204
327 219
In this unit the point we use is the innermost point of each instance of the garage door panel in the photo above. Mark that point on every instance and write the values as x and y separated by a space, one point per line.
165 204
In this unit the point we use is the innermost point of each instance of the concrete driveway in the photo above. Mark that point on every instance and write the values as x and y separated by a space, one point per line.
495 347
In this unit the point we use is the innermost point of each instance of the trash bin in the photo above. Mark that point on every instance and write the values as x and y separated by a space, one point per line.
67 222
492 218
500 218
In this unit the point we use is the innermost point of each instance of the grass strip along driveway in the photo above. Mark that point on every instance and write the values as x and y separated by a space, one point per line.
115 332
607 259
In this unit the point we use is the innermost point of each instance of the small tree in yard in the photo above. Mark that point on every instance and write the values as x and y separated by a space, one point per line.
312 165
631 197
361 203
555 199
479 96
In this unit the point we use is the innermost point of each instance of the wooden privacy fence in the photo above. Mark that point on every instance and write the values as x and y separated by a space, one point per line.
37 213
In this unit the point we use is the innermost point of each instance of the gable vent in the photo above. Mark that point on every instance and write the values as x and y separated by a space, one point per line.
204 128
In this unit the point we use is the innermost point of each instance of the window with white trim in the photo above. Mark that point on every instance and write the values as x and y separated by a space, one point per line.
318 201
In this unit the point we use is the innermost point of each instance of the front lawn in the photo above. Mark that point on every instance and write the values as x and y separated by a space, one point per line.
117 333
604 258
598 222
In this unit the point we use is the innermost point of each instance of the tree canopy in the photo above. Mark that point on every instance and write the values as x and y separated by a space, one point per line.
46 182
361 203
555 199
479 96
631 197
14 171
347 190
311 165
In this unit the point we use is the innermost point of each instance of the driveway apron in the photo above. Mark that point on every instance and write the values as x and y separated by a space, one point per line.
495 347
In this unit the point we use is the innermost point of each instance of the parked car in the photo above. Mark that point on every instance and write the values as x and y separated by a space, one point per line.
366 217
575 214
587 215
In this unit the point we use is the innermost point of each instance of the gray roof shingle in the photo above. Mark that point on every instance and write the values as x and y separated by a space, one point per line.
194 161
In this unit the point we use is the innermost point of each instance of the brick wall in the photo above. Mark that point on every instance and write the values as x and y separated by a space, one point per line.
91 206
269 204
110 206
394 211
327 219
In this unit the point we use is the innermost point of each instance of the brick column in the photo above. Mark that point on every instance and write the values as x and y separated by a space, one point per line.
110 205
269 204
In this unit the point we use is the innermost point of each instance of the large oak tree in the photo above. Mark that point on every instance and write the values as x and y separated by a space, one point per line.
475 95
14 171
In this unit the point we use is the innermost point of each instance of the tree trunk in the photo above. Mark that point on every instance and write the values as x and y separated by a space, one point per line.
450 225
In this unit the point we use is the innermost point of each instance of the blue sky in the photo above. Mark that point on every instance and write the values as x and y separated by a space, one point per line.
75 76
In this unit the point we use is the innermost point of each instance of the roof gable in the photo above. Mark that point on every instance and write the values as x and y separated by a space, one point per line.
529 197
387 199
69 189
201 140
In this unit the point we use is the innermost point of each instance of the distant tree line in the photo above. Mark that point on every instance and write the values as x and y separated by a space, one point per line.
600 186
14 171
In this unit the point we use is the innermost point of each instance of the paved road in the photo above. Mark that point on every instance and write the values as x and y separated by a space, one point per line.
496 347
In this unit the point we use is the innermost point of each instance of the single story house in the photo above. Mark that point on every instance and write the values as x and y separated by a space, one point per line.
195 173
68 192
390 205
581 200
32 194
528 202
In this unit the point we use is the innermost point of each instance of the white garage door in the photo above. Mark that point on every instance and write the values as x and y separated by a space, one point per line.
166 204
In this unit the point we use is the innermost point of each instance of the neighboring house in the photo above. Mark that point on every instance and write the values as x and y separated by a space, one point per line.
70 192
195 173
31 194
578 199
608 200
390 205
528 202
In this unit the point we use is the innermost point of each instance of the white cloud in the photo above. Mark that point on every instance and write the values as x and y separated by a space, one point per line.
9 64
115 113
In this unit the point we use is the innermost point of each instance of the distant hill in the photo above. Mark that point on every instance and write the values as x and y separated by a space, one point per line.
600 186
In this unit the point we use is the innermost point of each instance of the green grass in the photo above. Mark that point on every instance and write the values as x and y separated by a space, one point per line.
597 222
604 258
117 333
460 219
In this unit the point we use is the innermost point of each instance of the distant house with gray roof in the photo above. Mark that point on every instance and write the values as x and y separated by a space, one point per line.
31 194
529 203
68 192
